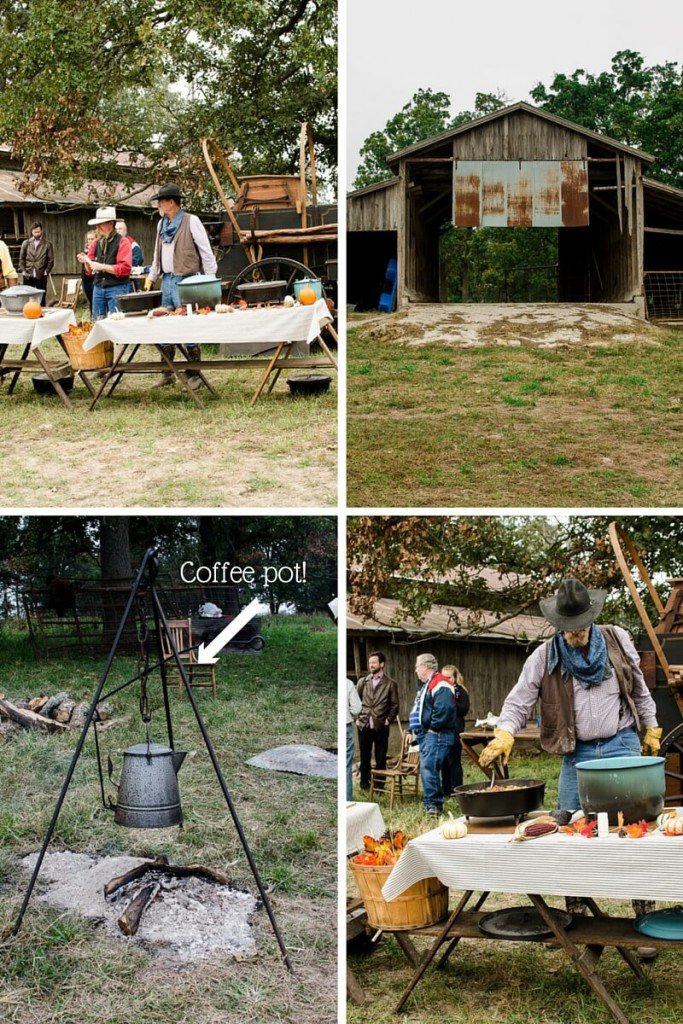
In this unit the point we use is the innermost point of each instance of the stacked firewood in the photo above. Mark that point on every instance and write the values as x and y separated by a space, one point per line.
49 714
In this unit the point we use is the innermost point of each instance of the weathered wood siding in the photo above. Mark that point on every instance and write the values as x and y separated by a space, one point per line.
421 257
489 669
375 210
67 230
520 136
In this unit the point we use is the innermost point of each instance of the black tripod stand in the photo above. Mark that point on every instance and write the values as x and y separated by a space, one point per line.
144 586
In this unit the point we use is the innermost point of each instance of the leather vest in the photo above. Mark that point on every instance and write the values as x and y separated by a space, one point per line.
106 251
558 730
186 261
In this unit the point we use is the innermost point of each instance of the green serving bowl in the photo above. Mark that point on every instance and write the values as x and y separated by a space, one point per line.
633 785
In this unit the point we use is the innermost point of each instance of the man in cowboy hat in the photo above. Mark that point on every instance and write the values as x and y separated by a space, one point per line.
599 714
182 249
607 704
109 261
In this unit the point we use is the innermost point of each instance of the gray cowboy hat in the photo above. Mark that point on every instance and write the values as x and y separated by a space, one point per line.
574 606
168 192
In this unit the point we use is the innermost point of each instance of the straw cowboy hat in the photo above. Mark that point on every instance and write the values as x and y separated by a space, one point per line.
574 606
103 215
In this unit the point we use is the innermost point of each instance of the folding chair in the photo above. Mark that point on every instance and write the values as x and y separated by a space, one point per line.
197 675
406 766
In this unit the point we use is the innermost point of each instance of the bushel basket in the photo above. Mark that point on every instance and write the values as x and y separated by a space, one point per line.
423 904
97 358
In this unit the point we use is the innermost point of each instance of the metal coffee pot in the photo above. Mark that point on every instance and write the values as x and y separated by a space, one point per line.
148 795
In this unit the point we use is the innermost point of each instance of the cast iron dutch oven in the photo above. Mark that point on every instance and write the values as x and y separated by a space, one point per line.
42 384
509 798
138 302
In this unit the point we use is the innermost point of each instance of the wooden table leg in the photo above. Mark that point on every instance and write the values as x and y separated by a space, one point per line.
327 352
199 372
120 375
454 942
267 372
105 381
273 380
55 382
353 987
408 948
434 949
624 953
17 373
179 376
585 962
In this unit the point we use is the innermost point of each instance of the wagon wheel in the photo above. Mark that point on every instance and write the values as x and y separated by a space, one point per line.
672 744
273 268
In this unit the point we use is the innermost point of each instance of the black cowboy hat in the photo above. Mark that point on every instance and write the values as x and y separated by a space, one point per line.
574 606
168 192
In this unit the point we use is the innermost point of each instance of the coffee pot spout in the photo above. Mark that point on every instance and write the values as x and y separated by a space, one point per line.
178 758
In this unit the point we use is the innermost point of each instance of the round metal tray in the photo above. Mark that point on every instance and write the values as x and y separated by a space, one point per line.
520 923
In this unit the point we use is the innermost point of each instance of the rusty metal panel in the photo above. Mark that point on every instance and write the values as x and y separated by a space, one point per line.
574 193
467 194
520 193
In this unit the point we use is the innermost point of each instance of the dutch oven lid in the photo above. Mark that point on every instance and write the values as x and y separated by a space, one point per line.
662 924
199 279
142 749
22 289
520 923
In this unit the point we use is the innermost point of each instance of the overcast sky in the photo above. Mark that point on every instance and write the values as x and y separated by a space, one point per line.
396 47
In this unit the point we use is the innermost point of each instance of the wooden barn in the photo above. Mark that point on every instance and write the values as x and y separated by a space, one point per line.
489 653
65 216
619 233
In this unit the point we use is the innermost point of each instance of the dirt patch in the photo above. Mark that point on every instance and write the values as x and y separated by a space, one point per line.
550 325
191 920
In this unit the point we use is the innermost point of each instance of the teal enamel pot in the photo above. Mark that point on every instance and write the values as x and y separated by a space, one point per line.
633 785
200 290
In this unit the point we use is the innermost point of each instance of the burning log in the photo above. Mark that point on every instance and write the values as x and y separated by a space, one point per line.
161 864
129 922
28 719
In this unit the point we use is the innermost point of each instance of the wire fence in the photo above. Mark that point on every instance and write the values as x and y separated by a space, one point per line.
664 295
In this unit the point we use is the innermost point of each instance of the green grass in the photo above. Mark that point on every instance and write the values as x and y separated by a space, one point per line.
536 427
488 982
146 447
61 969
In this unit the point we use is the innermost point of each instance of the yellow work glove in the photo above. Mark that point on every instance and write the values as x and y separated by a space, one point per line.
652 740
500 746
148 284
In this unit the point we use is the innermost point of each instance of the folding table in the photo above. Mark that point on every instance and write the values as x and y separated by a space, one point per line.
283 334
559 864
30 334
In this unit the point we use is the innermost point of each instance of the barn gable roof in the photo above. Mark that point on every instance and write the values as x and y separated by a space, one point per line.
462 129
439 621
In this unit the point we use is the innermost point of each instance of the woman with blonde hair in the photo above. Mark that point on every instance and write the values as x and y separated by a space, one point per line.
451 770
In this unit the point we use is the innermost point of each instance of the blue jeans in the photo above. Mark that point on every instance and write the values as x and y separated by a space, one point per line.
170 296
349 761
105 300
624 744
435 749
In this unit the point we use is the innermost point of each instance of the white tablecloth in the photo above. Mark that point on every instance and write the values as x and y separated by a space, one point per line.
650 868
17 330
245 332
362 819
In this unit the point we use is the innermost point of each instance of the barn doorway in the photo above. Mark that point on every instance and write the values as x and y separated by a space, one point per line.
367 258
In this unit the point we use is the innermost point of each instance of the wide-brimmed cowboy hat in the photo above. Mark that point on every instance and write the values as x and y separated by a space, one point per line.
168 192
104 214
574 606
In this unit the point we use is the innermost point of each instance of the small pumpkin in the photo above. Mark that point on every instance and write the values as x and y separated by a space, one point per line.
453 828
664 817
307 296
32 310
222 307
673 827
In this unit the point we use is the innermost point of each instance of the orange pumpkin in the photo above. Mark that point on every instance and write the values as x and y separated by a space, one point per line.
307 297
32 310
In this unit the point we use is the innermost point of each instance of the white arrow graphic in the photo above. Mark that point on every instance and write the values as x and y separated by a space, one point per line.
206 652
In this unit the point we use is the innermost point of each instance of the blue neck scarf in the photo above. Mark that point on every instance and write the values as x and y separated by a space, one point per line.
589 667
169 228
